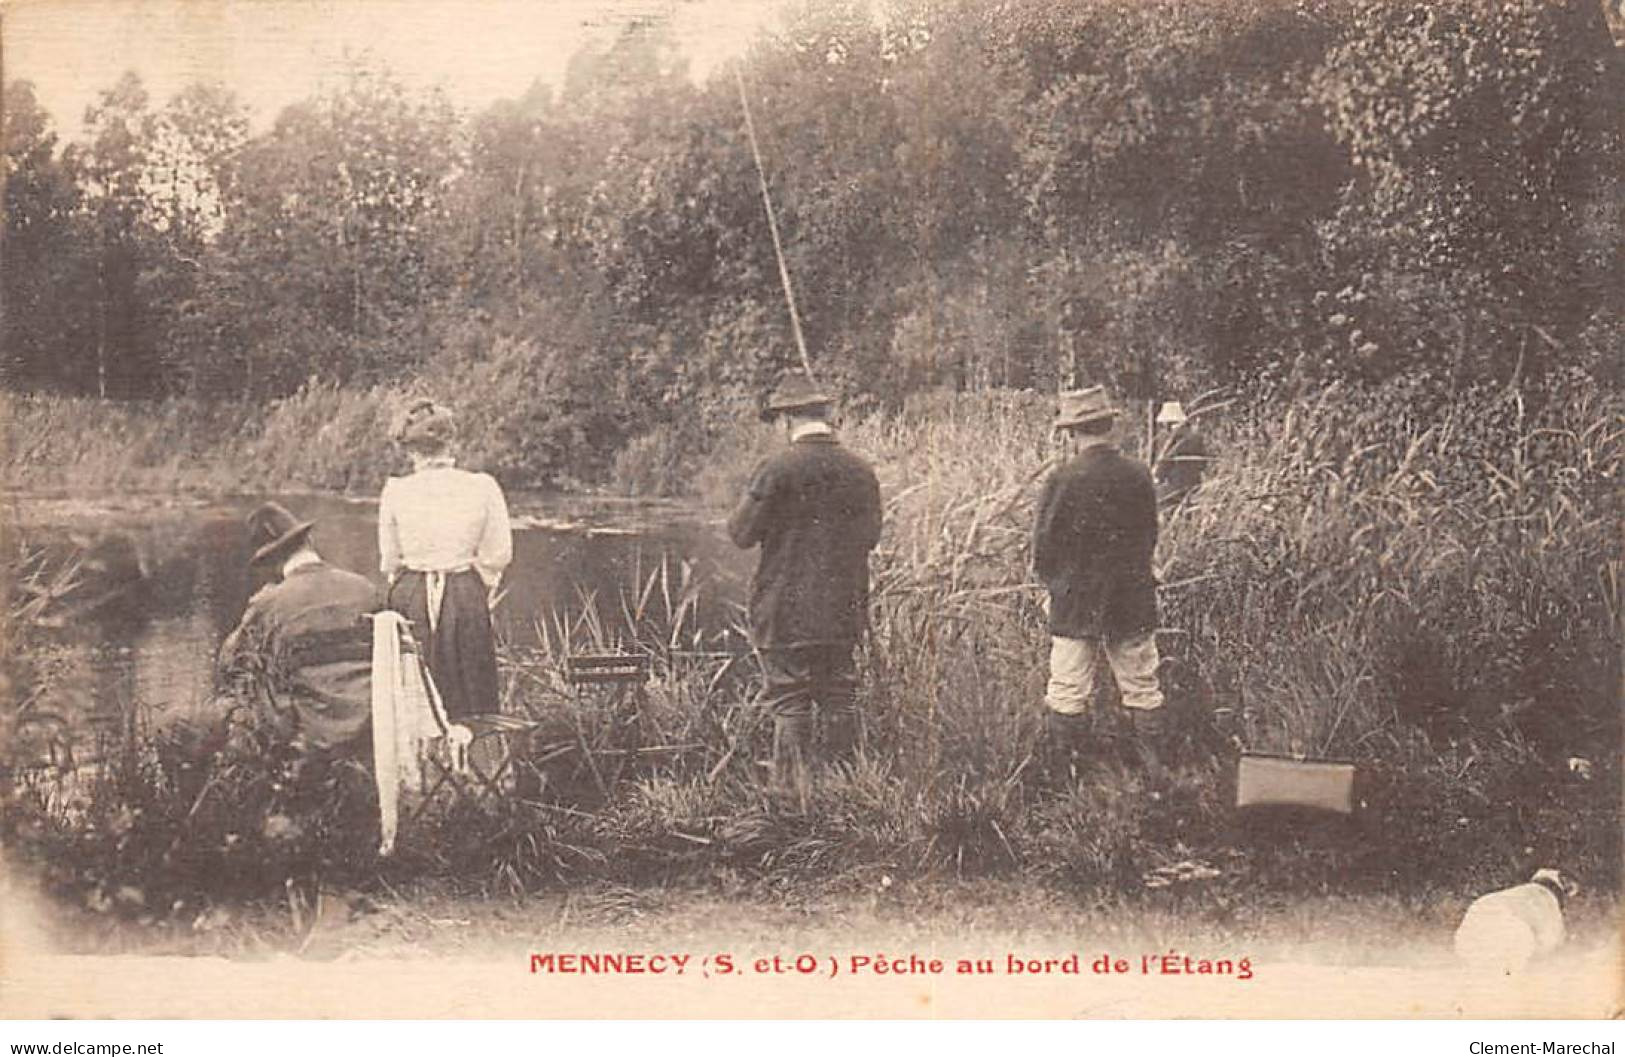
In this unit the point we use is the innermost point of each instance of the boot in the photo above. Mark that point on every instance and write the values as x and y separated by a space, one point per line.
840 736
792 756
1063 737
1150 737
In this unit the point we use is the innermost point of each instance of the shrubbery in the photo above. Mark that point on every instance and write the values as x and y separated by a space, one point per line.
1405 554
1162 197
1428 588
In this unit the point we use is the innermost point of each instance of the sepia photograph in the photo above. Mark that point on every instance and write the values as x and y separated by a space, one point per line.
828 509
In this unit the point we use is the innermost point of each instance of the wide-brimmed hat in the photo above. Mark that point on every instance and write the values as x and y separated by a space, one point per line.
274 532
426 423
795 392
1081 406
1171 413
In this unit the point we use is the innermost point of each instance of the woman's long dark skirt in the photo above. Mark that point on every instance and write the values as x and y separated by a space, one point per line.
462 653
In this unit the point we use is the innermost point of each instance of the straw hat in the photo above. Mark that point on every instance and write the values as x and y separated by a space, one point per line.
275 533
1171 414
795 392
1081 406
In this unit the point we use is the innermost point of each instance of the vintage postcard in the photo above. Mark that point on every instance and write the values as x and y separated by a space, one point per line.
850 508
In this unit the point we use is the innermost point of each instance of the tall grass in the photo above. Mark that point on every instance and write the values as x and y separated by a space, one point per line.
320 437
1429 588
1366 562
328 438
173 445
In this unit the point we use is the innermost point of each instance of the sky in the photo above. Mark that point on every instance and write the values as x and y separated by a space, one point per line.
274 52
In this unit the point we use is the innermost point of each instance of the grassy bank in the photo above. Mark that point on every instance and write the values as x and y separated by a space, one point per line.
1428 589
517 419
318 439
322 438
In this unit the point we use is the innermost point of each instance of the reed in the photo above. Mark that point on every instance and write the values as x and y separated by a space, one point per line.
95 445
1428 588
1332 591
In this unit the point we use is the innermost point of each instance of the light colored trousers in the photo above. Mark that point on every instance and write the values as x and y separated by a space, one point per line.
1073 664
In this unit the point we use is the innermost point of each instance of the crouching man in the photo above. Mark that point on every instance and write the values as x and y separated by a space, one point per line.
301 644
814 508
1093 541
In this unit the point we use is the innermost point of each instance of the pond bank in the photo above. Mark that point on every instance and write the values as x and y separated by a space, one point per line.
150 585
1333 590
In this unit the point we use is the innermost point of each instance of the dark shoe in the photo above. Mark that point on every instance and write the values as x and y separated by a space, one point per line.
1150 738
793 756
840 736
1064 736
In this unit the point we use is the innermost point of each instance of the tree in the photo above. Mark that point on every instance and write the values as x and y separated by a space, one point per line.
189 180
112 171
1174 177
1481 136
44 251
326 240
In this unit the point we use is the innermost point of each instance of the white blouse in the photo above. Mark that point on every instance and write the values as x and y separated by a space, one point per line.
442 519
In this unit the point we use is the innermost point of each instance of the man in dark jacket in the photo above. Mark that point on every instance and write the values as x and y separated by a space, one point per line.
301 642
814 509
1092 546
1181 458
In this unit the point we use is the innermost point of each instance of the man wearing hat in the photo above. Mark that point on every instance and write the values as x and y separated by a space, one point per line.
814 509
302 640
1092 545
1181 457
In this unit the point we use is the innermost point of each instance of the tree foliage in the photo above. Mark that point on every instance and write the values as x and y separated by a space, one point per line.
1160 196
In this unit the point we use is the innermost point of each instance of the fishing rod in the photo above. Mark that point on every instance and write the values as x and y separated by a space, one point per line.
773 225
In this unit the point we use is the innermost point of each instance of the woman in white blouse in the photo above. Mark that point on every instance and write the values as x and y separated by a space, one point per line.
443 542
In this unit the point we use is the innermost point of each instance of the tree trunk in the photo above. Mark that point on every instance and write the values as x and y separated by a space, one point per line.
355 293
101 320
518 238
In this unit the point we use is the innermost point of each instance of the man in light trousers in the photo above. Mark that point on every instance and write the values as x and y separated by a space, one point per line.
1093 541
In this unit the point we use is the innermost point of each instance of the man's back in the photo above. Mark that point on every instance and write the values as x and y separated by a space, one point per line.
308 633
1092 545
815 510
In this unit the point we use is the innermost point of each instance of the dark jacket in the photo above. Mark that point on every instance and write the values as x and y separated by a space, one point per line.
1180 467
815 510
305 644
1092 545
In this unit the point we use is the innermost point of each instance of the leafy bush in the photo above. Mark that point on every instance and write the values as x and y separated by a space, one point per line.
1162 195
327 437
172 445
1367 558
1426 586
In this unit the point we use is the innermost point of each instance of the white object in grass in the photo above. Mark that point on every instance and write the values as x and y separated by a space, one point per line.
1503 930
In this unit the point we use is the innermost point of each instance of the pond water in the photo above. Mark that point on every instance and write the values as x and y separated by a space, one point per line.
164 579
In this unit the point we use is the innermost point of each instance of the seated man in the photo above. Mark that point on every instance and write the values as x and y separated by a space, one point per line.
302 641
311 658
